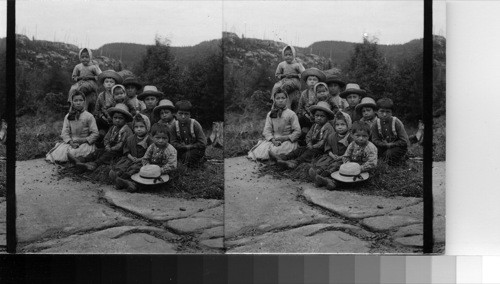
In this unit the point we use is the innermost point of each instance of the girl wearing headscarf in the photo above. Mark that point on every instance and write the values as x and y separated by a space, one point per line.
85 75
288 73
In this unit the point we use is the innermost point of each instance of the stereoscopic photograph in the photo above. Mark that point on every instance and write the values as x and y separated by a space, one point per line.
119 113
324 126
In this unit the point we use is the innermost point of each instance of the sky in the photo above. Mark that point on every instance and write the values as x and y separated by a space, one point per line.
93 23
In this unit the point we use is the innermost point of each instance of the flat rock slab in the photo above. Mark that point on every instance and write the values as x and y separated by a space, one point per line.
261 203
307 239
355 206
412 230
115 240
212 233
48 206
192 224
413 241
158 208
214 243
439 194
384 223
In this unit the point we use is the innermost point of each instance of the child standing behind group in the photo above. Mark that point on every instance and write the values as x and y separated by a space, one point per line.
288 72
85 75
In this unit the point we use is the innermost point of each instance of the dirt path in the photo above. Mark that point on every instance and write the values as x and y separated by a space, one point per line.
66 216
264 214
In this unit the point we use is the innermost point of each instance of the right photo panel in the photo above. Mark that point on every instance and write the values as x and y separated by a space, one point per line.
324 126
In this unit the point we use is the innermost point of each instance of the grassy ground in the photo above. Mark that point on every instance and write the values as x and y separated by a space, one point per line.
35 137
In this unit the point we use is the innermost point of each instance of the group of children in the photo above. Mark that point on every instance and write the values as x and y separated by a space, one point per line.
332 125
141 134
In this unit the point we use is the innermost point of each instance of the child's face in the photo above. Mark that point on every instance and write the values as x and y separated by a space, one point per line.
322 93
131 91
334 89
320 117
85 58
288 56
78 102
161 139
183 116
140 129
368 112
280 100
119 95
353 100
166 115
361 137
108 83
150 102
118 119
384 113
340 127
311 81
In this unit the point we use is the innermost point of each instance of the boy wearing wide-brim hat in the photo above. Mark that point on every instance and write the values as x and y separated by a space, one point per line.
165 111
336 85
133 86
353 94
315 138
188 137
367 109
115 137
311 77
150 96
105 100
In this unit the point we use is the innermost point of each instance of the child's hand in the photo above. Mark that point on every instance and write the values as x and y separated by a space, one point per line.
73 144
276 143
345 159
333 156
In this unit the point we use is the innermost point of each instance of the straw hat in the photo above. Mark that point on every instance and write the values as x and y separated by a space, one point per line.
150 91
366 102
323 106
163 104
132 81
333 76
121 108
110 74
350 172
313 72
352 88
150 175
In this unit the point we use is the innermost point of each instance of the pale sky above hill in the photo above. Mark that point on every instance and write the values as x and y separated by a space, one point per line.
93 23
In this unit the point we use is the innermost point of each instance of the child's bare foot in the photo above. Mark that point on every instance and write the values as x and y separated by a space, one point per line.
312 173
125 184
320 181
112 175
292 164
331 184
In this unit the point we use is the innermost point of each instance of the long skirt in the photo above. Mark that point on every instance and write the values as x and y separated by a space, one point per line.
60 152
326 165
261 150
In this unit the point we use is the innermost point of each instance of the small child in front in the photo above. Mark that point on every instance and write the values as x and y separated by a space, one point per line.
315 139
336 145
389 134
288 73
361 150
85 75
133 151
188 137
114 139
353 94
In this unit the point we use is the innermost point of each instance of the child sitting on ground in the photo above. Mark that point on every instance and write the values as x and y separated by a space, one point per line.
114 139
134 149
367 110
361 150
288 73
79 133
335 86
353 94
308 98
133 86
150 96
188 137
120 97
85 75
165 111
281 130
315 139
105 100
336 145
389 134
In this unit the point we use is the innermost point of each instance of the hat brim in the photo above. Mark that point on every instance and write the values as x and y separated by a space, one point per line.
137 178
128 116
345 93
133 83
359 107
336 176
317 73
157 109
146 94
115 76
330 113
333 80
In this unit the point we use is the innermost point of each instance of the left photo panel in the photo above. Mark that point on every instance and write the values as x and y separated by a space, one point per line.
119 118
3 127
